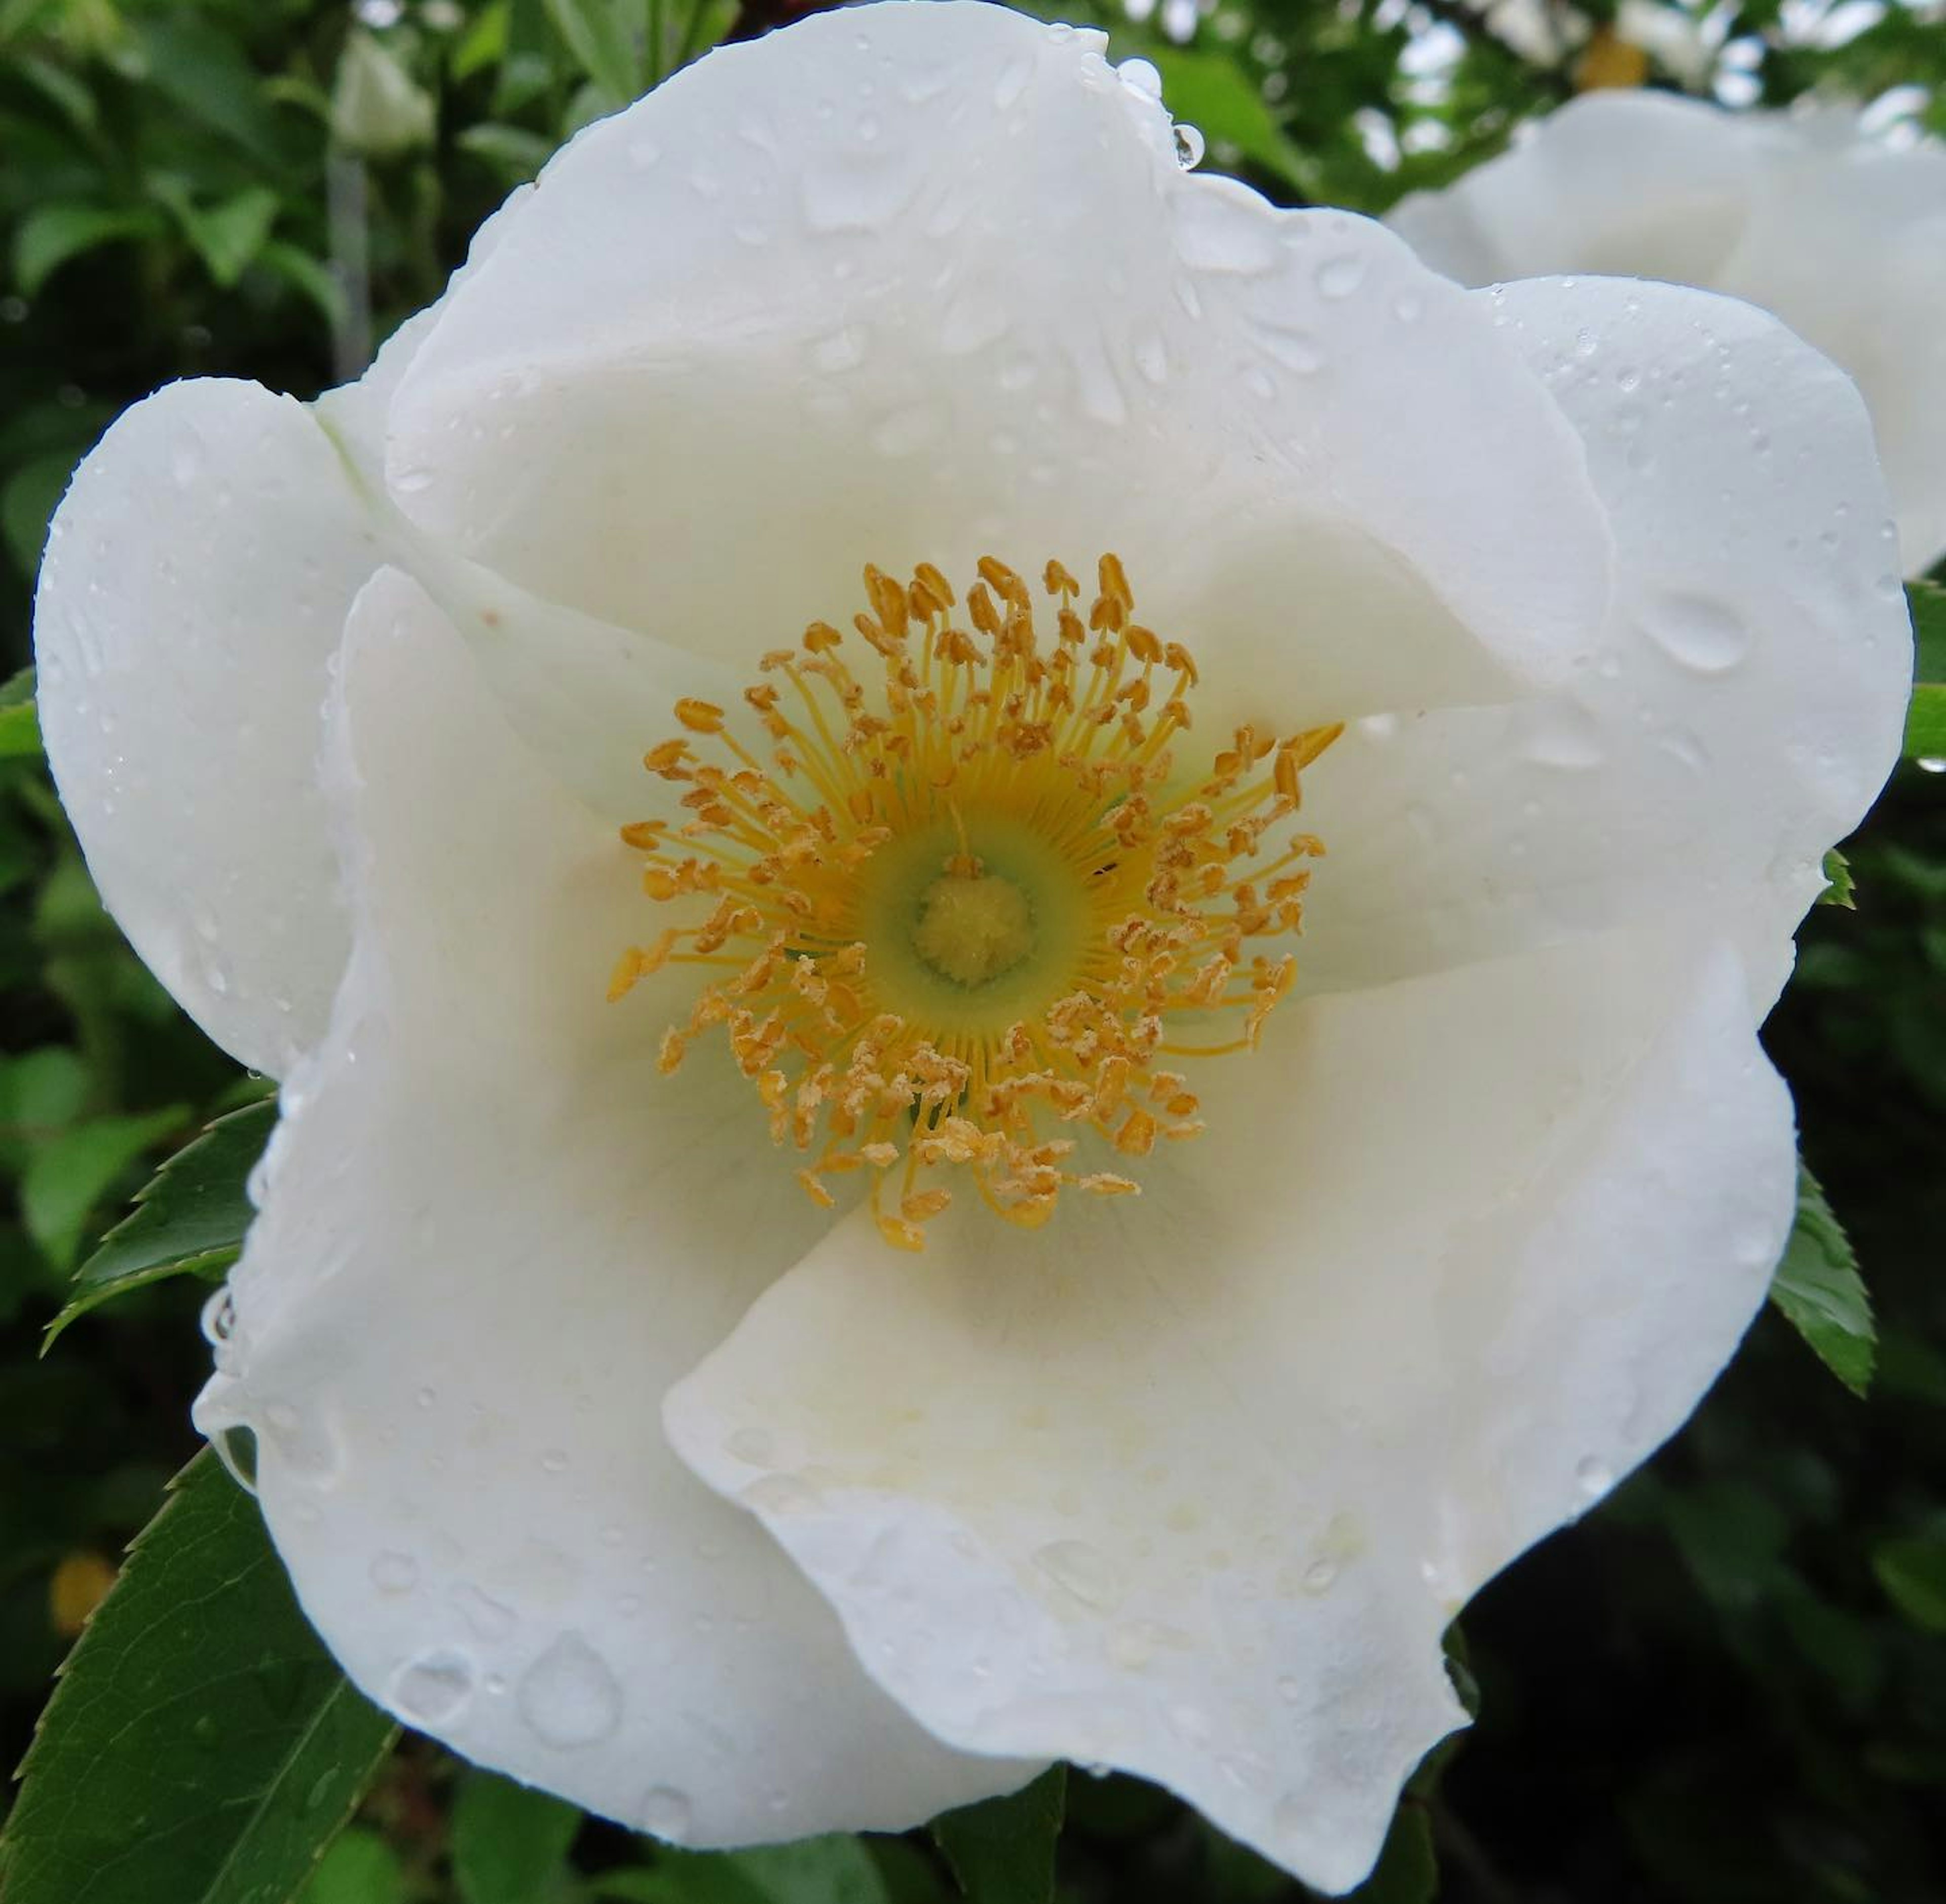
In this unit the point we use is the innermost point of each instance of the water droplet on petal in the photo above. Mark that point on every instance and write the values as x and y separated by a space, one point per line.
1082 1570
1560 734
753 1445
485 1615
1593 1476
569 1697
1321 1576
1141 76
395 1573
1706 637
1339 277
431 1689
1012 83
1189 148
219 1317
666 1814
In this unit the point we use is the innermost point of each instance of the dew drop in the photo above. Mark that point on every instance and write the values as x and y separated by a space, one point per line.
1141 77
395 1573
775 1494
1593 1476
1083 1570
1189 148
485 1615
753 1445
1706 637
431 1689
1560 734
219 1317
569 1697
666 1814
1339 277
1012 83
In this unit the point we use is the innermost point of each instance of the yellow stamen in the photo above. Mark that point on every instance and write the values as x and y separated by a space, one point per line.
969 899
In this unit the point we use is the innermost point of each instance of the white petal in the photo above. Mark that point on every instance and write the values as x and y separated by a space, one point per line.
1191 1484
1851 253
786 316
1637 184
196 582
1841 236
490 1234
1747 702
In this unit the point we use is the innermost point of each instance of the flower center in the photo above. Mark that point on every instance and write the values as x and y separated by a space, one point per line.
973 930
958 914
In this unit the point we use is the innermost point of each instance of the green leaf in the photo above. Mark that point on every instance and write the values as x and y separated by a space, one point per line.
203 69
508 1843
594 35
1927 600
20 721
68 1174
1002 1851
1407 1872
226 236
188 1220
1840 887
49 236
1926 719
201 1746
1818 1288
1912 1569
1212 92
514 154
834 1870
360 1867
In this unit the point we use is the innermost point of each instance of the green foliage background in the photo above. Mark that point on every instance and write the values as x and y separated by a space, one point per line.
1729 1685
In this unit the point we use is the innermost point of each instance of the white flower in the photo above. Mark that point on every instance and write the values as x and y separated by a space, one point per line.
554 1367
1843 235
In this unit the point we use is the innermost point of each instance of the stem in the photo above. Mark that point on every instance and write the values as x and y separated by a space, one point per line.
346 211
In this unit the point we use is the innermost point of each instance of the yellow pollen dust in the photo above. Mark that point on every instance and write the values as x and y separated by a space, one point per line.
950 912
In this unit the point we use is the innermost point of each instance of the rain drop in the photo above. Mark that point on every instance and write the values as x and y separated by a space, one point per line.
569 1697
1560 734
1082 1570
431 1689
1705 636
1012 83
219 1317
753 1445
482 1613
1593 1476
666 1814
395 1573
1339 277
1189 148
1141 77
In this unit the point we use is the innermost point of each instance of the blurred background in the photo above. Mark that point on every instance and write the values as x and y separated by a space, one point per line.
1729 1684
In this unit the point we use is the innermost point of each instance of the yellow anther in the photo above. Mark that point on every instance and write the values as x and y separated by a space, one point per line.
1024 801
699 716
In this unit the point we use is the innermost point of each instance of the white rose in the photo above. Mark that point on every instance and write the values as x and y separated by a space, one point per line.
555 1367
1842 236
